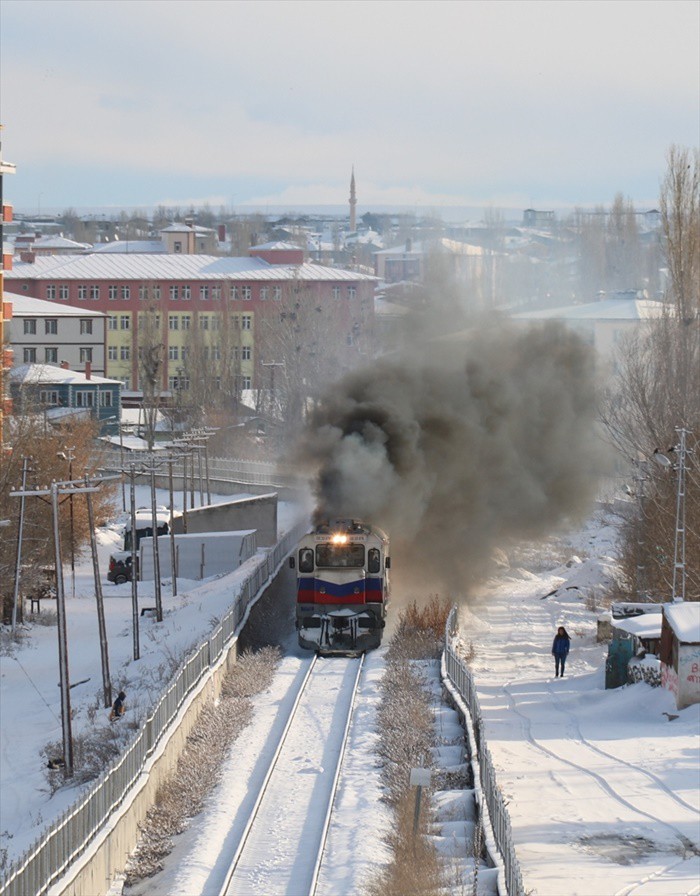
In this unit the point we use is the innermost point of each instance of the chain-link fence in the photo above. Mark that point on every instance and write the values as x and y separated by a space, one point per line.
461 678
70 835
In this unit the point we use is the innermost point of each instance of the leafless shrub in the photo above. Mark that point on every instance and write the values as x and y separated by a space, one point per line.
405 724
93 752
420 632
49 618
415 866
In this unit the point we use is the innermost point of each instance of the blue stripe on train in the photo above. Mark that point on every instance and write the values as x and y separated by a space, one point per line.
372 588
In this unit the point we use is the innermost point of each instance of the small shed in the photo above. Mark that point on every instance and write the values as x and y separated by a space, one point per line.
680 651
632 636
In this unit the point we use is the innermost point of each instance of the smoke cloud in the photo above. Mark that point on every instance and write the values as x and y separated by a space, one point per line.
454 450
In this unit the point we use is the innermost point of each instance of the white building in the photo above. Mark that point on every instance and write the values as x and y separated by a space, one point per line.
48 333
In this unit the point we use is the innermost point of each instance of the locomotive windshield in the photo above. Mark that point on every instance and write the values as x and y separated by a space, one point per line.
340 556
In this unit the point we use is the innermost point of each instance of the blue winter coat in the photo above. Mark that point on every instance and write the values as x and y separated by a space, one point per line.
561 645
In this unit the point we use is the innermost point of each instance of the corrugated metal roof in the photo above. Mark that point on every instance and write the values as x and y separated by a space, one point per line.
171 267
26 306
608 309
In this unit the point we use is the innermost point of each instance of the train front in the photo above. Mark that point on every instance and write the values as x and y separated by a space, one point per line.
342 587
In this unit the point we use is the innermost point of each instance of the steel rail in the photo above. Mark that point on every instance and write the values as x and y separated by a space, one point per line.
336 780
263 788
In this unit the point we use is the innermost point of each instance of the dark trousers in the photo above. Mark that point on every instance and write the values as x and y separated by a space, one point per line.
559 663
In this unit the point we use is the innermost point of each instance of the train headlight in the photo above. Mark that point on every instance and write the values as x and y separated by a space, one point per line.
339 539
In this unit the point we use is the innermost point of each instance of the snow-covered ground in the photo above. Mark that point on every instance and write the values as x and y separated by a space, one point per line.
603 789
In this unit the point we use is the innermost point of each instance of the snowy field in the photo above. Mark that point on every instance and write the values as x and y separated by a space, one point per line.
603 789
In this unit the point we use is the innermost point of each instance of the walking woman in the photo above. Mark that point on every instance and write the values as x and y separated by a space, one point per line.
560 651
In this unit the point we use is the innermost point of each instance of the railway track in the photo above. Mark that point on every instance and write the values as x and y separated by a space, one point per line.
281 848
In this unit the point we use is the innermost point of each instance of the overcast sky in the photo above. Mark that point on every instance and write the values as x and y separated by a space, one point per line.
507 104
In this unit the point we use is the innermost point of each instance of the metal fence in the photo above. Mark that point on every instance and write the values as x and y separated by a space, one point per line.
245 472
461 678
69 836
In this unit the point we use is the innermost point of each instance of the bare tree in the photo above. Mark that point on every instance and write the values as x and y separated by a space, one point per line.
680 219
150 363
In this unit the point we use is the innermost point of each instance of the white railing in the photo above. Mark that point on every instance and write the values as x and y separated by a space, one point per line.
68 837
461 678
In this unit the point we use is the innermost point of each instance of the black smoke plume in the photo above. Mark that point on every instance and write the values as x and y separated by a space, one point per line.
455 450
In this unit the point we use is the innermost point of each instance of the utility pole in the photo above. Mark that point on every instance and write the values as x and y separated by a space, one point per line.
68 454
679 571
57 489
18 561
156 552
173 564
134 570
101 626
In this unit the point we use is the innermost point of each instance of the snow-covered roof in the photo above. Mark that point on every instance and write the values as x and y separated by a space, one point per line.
57 242
277 246
135 247
100 266
646 626
684 619
608 309
37 374
27 306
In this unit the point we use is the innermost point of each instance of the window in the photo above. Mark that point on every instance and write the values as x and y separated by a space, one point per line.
30 327
246 322
82 292
112 353
49 397
125 352
84 399
95 293
245 382
50 291
29 355
105 398
234 293
156 293
112 292
125 381
112 322
174 291
86 328
63 292
216 293
173 353
206 352
336 292
352 292
173 322
245 353
125 322
264 291
203 321
247 293
277 293
177 247
184 353
51 326
204 292
172 383
186 293
51 355
216 352
340 555
306 560
373 560
186 319
215 322
143 293
184 383
86 354
126 292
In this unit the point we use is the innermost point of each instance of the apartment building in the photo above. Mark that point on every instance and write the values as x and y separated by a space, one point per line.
207 294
